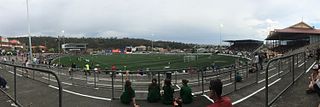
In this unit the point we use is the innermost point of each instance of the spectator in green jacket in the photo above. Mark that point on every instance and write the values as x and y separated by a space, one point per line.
128 95
167 97
153 91
186 92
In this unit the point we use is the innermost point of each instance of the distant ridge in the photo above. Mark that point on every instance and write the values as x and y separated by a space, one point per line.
103 43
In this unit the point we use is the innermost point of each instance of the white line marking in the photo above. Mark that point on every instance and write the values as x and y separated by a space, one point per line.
227 84
300 65
178 87
310 67
269 70
83 95
66 83
200 92
244 98
56 81
269 77
13 73
208 98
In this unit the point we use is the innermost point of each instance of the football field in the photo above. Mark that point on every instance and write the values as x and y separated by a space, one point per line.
144 61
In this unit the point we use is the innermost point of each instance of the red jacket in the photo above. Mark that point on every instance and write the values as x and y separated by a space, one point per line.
223 102
113 68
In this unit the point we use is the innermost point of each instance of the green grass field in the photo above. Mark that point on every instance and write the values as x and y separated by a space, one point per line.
139 61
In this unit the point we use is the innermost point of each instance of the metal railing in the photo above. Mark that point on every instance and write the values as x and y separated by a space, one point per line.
292 58
198 76
49 72
231 74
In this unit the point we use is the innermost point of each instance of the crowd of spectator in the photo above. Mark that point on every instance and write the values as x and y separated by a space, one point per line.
165 94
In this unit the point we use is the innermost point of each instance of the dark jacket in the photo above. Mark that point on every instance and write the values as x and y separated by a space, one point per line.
153 93
167 97
127 95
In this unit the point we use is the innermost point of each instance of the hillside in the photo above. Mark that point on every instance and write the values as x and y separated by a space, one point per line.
103 43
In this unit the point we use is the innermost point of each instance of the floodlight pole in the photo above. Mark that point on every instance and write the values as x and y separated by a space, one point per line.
220 35
28 19
220 28
151 43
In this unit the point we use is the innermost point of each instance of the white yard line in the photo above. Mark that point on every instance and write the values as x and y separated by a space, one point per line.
83 95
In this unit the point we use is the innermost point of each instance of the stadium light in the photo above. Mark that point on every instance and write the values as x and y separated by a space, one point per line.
28 20
220 28
152 43
59 44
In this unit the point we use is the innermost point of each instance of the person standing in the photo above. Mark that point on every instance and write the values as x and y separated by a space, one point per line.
72 69
27 64
113 70
256 61
260 61
87 69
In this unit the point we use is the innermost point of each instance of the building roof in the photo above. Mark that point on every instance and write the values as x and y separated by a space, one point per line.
244 41
76 43
14 41
297 31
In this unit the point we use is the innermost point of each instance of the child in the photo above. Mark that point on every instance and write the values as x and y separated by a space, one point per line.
186 92
153 91
167 97
128 94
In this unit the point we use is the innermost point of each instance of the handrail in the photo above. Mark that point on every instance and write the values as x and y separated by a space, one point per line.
35 69
267 104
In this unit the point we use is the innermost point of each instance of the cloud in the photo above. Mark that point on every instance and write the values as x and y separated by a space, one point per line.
174 20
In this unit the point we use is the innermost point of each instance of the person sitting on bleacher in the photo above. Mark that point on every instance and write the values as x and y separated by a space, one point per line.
316 83
312 79
186 92
154 91
3 83
215 94
128 95
167 96
238 77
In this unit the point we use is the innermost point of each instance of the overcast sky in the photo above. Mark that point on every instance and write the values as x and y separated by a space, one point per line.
191 21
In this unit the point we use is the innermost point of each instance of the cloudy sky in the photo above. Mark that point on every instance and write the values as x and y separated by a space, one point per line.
191 21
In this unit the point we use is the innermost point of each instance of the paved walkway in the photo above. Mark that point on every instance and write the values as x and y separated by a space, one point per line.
4 100
296 95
